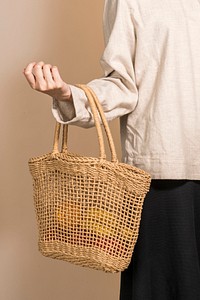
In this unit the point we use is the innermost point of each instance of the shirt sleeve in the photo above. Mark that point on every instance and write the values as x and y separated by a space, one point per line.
116 90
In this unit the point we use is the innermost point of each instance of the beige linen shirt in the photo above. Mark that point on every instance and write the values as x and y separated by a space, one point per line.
151 81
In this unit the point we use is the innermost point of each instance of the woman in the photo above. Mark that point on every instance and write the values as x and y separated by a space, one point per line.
152 82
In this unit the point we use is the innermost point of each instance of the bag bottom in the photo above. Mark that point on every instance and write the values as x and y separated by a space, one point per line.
90 257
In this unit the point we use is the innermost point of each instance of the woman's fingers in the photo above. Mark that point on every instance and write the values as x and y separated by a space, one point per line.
29 75
42 74
34 75
47 73
56 76
46 79
39 76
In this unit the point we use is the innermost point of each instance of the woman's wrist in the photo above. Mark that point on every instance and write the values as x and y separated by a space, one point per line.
64 94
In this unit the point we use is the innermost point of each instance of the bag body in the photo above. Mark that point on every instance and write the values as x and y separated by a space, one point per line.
88 209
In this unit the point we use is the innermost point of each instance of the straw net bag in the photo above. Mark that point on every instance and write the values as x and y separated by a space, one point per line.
88 209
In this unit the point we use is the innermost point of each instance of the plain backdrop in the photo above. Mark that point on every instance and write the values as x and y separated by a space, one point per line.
67 34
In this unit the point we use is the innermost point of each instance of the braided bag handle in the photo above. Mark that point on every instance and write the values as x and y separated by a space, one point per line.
98 114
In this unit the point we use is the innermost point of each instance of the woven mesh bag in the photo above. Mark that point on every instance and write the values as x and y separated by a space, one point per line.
88 209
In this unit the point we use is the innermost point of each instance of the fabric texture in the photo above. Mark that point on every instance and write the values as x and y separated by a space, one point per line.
166 260
151 81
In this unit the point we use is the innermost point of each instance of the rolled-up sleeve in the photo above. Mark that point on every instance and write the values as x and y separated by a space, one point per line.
116 90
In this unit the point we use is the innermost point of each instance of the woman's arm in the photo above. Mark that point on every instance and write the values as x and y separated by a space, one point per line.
116 90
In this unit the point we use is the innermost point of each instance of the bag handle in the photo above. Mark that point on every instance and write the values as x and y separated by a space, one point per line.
97 112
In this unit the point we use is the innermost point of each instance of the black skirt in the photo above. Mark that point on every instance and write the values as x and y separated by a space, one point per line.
166 259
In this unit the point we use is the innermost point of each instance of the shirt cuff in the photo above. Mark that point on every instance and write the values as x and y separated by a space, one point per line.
69 112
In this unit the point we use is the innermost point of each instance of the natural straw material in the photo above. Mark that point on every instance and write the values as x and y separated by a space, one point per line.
88 209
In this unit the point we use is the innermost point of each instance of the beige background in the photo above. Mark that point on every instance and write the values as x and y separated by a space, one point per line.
67 34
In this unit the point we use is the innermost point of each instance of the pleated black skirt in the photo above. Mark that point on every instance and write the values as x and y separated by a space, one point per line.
166 259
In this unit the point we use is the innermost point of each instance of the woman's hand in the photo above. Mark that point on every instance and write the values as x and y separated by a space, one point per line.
46 79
